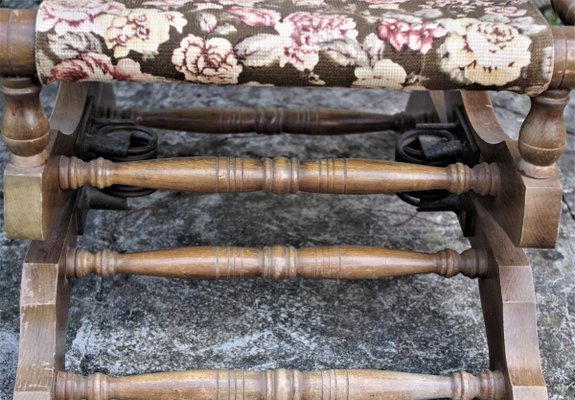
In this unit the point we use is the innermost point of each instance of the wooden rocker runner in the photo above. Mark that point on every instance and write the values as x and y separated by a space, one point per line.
452 156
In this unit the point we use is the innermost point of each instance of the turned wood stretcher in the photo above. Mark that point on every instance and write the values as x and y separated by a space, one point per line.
92 155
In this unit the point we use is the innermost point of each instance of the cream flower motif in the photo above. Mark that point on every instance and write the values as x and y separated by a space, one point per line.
463 7
140 30
243 3
255 16
207 61
378 72
308 3
167 3
74 15
208 22
384 1
383 74
509 11
486 53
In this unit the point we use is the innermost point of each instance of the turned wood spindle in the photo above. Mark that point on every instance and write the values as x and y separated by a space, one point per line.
279 175
543 134
281 384
563 76
25 126
565 9
274 120
17 36
277 262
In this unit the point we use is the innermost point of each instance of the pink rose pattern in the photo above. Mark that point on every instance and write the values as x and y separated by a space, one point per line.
255 16
380 43
307 33
418 37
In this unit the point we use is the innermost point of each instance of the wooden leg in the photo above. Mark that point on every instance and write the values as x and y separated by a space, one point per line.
528 209
25 129
44 311
32 195
509 307
542 136
25 125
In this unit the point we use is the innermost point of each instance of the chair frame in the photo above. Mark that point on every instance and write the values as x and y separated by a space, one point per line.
526 208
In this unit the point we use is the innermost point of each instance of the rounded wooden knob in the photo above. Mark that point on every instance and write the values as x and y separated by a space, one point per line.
542 135
17 36
25 126
565 9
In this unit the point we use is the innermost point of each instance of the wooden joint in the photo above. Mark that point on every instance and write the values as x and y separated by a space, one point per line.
284 384
564 58
75 173
71 386
80 263
488 385
280 262
565 10
543 134
17 37
281 175
483 179
471 263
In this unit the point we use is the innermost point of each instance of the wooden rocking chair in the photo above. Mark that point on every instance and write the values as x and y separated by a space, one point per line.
505 192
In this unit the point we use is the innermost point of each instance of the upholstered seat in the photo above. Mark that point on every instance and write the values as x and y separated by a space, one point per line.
393 44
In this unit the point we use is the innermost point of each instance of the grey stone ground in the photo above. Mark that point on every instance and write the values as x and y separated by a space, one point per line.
419 324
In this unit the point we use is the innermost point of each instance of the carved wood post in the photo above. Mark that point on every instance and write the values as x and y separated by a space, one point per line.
274 120
565 9
279 175
277 262
543 134
25 126
281 384
17 36
28 192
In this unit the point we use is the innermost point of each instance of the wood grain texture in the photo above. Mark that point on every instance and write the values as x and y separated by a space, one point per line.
281 385
509 308
276 262
274 120
279 175
17 36
543 134
564 58
528 209
565 9
44 299
25 126
25 130
32 196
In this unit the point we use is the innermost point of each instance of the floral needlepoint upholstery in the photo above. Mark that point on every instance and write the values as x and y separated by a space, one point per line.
391 44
